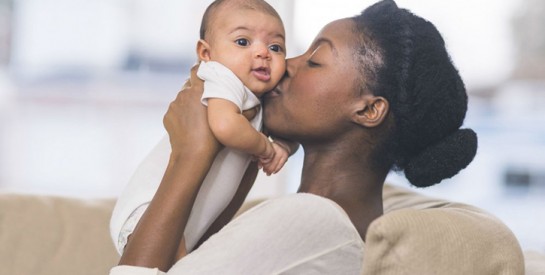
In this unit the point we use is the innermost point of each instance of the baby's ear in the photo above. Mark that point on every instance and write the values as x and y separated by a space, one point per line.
203 50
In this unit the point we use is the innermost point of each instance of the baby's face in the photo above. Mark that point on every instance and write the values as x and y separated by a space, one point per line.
252 45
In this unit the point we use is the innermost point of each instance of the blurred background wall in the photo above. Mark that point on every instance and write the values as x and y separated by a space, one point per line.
84 85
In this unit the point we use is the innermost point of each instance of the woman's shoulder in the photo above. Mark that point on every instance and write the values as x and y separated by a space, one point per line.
291 234
308 210
303 201
308 201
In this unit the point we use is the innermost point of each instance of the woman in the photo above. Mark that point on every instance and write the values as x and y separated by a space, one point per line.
373 93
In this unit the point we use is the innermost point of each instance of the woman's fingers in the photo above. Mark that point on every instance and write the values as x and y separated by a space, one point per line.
195 80
186 121
250 113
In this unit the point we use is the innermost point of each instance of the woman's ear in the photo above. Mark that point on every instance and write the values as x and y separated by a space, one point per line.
203 50
370 111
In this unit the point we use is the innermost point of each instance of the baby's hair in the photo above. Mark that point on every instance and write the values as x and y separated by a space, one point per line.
257 5
403 59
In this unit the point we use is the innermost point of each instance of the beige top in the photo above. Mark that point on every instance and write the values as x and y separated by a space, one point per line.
295 234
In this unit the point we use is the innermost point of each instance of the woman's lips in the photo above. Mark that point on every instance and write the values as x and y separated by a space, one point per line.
273 93
262 73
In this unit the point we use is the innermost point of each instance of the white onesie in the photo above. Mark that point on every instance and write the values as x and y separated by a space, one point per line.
218 187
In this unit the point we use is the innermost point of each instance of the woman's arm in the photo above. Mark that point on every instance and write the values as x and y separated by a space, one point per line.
155 240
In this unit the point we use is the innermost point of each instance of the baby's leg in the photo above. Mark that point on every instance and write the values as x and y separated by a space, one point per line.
215 194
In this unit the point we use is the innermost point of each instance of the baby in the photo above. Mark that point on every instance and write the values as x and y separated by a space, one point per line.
242 54
242 49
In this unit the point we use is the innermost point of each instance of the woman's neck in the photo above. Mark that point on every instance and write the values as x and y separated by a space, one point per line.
345 176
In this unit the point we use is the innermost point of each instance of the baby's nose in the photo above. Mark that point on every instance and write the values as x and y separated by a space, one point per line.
262 51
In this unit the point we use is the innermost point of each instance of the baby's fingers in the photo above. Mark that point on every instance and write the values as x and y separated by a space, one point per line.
274 166
268 168
280 163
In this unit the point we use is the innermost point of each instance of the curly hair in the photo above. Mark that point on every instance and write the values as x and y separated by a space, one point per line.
403 59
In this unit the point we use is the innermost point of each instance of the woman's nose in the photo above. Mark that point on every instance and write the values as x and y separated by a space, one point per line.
291 67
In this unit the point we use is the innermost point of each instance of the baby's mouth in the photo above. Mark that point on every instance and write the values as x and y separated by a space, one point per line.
262 73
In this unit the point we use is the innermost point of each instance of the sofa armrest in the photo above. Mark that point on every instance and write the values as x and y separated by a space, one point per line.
46 235
437 237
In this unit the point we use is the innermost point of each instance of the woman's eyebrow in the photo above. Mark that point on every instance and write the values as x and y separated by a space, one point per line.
323 40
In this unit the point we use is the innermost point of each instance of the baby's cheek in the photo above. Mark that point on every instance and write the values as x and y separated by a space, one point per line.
279 69
275 79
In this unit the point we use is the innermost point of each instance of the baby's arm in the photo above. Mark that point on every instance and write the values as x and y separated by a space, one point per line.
233 130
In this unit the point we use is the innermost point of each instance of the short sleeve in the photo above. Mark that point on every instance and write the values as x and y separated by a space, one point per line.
220 82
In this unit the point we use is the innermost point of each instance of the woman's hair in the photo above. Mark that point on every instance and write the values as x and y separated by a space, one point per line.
403 59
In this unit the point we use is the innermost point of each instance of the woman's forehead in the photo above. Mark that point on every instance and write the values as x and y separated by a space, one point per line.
339 33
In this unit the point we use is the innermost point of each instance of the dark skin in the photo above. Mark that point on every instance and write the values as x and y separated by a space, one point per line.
319 104
337 126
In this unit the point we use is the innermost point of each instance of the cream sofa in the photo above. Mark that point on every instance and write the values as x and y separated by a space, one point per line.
45 235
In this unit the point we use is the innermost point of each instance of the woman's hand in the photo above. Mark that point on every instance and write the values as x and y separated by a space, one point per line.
186 121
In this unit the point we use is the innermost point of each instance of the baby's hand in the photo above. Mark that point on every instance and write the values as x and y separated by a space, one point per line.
274 164
269 152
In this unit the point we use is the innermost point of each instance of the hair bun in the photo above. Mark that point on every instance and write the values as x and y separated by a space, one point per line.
442 160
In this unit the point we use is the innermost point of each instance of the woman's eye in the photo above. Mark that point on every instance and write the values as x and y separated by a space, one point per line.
275 48
242 42
312 64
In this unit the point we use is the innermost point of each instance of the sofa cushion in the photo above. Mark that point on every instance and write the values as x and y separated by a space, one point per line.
44 235
534 262
421 235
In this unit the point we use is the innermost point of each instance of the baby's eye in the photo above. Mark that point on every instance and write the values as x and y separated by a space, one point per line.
242 42
275 48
